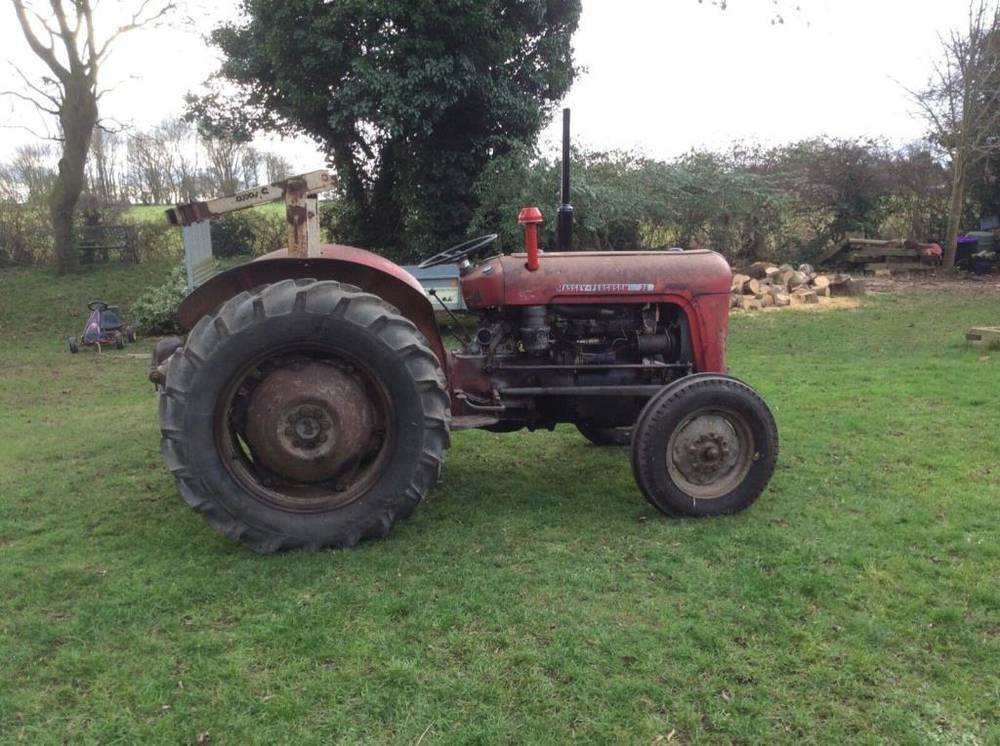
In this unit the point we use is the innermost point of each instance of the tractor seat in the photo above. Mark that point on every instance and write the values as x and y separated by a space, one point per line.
111 319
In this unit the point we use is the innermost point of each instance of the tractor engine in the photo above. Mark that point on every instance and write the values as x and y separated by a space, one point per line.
584 337
579 336
532 358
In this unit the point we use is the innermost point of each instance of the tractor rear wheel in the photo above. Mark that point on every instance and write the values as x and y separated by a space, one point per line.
606 436
706 445
304 414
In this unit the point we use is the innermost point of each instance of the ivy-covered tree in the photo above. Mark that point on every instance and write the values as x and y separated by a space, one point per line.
409 98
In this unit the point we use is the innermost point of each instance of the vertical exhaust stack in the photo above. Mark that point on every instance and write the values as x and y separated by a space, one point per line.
564 226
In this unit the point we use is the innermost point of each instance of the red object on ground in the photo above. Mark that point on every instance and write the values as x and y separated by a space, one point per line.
530 217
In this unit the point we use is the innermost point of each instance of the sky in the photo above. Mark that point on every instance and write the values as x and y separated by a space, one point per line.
661 76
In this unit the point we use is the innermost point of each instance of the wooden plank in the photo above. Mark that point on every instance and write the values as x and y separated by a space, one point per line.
831 252
900 266
873 252
983 336
873 242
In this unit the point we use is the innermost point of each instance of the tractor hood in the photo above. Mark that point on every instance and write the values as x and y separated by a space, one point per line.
596 277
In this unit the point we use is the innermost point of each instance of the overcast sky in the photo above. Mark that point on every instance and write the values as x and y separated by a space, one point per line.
663 76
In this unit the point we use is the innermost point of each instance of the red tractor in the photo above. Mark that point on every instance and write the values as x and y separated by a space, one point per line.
312 401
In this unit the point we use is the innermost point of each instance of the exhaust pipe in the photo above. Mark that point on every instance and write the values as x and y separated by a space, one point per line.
564 225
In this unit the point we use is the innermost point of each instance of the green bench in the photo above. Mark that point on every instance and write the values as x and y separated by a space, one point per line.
98 242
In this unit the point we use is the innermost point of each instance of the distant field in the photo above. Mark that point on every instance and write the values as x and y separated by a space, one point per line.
155 213
146 213
535 598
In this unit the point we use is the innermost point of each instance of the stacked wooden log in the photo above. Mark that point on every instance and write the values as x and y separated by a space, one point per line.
766 285
880 257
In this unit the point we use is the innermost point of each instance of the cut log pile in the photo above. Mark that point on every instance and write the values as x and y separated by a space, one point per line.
766 285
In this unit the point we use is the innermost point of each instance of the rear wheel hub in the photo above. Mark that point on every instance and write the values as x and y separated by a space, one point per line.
311 422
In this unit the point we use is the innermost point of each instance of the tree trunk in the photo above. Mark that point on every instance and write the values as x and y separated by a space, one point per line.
350 225
77 118
384 221
955 209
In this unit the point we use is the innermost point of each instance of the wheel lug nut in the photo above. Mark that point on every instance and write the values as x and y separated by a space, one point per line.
289 431
322 438
297 443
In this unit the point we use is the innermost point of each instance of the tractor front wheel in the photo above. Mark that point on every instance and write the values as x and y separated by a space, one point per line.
304 414
706 445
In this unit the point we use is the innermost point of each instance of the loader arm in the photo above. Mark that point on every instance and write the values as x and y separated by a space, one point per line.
299 193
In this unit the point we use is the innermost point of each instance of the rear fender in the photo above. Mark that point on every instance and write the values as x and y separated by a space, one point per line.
368 271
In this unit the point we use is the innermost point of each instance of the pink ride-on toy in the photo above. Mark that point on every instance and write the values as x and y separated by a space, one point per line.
105 326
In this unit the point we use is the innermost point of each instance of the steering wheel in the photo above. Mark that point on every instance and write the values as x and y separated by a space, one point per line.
97 305
457 253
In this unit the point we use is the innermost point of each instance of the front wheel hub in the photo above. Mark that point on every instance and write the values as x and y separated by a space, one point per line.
709 454
311 422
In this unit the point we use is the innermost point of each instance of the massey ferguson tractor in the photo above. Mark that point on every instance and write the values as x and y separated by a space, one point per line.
312 400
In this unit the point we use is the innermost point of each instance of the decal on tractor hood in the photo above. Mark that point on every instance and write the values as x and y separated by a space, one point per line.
606 287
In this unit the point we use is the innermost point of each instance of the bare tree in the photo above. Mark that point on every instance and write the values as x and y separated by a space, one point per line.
250 163
962 105
163 163
276 167
64 38
149 167
225 163
180 141
105 177
31 169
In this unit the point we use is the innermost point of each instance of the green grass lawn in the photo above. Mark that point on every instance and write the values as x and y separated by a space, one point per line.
535 598
157 213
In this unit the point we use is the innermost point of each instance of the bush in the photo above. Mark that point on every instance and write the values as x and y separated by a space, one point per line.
252 233
159 241
624 200
232 235
25 234
270 230
155 311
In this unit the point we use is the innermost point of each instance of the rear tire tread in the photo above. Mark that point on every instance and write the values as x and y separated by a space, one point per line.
290 297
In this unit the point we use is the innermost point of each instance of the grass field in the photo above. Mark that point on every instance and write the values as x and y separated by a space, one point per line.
535 598
156 213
